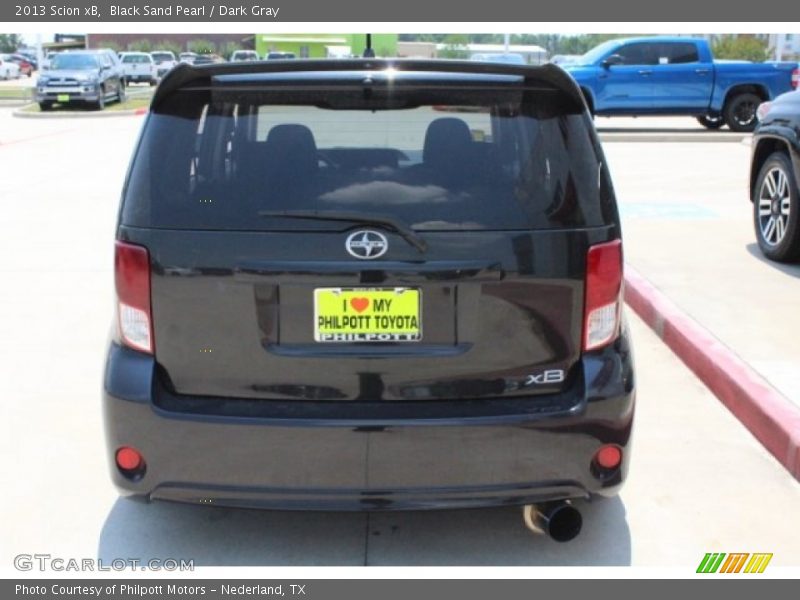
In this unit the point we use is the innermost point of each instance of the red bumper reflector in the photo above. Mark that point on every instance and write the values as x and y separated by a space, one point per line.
608 457
129 459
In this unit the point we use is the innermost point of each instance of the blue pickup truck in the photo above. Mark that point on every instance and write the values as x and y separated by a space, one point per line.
678 76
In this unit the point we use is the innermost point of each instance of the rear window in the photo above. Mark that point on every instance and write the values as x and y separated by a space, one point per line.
74 61
678 53
436 159
136 58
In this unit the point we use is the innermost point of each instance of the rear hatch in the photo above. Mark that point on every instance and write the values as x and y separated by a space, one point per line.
137 65
368 233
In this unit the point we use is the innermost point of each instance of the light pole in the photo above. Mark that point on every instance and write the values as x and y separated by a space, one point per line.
780 42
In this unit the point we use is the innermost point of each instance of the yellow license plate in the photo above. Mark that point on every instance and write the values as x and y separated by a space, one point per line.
367 315
63 97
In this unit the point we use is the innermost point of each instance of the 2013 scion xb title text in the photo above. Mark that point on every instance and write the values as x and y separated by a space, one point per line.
144 11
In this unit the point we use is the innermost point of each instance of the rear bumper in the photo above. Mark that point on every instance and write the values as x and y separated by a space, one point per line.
372 456
77 94
139 77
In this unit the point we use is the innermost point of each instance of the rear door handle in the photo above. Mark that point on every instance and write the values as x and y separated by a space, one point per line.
702 71
645 72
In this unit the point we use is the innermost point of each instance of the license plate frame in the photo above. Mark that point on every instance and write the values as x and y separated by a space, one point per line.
376 322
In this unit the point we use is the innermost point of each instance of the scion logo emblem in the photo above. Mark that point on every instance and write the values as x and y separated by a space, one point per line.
367 244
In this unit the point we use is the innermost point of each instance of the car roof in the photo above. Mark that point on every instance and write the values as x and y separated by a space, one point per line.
83 52
658 38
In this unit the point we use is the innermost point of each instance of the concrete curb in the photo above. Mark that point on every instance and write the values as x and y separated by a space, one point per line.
21 113
770 416
676 137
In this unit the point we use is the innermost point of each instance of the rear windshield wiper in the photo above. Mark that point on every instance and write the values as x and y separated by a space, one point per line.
397 225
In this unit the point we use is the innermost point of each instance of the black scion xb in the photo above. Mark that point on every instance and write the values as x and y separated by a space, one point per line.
370 285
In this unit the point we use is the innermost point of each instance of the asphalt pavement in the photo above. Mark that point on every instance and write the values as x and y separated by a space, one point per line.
687 223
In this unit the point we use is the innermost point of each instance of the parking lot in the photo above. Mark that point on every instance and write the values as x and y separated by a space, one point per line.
699 481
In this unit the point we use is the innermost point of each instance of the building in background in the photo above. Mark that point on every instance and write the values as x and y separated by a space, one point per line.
325 45
784 46
416 49
532 54
164 41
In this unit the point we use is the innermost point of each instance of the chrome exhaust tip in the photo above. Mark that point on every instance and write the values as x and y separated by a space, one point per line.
560 521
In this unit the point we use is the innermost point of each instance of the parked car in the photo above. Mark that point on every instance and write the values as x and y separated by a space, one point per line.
244 55
112 60
29 55
331 296
47 58
139 67
499 57
774 178
563 59
207 59
86 76
8 68
279 55
678 76
187 57
25 66
165 61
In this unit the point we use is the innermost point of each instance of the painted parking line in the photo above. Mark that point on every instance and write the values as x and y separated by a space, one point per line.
34 137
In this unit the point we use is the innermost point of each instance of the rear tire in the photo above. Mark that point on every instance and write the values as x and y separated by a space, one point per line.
101 99
121 93
45 106
711 122
740 112
776 209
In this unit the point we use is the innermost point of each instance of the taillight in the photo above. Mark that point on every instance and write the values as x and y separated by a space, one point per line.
603 294
132 277
796 78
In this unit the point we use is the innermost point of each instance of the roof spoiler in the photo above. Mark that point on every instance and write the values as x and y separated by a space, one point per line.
185 75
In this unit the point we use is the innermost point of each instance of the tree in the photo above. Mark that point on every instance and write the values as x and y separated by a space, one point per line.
169 45
112 45
9 42
455 46
201 46
143 45
740 47
228 48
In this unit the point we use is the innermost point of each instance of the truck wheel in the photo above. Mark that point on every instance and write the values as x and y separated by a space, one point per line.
740 111
775 209
711 122
45 106
121 93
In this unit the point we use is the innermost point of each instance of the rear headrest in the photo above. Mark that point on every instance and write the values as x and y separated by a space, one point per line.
447 141
291 151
